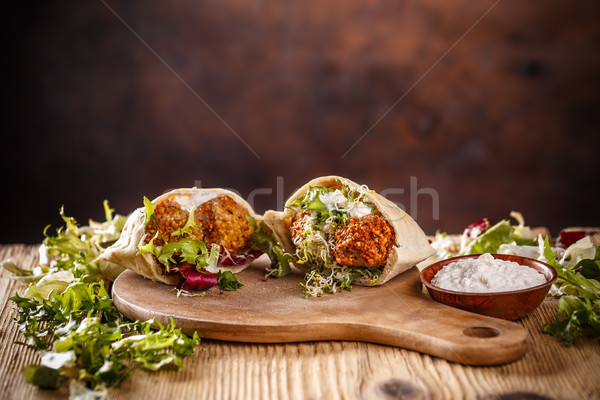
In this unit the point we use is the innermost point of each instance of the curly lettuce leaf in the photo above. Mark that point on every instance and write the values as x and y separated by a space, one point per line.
83 320
104 351
568 280
184 249
491 239
280 260
311 201
574 316
264 240
149 212
78 249
68 314
579 311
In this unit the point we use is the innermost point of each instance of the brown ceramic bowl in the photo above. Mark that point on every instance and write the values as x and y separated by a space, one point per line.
506 305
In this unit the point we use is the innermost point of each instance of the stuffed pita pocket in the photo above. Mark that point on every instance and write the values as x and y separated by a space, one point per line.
341 233
190 238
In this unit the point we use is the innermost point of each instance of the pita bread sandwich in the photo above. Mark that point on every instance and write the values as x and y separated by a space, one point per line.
341 233
193 238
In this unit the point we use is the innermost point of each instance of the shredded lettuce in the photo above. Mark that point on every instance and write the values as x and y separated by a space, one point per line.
78 249
184 249
311 201
68 315
334 213
336 279
328 209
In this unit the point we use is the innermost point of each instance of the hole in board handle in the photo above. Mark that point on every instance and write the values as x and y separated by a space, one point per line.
481 332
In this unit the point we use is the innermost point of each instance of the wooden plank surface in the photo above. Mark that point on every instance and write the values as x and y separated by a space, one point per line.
275 311
326 370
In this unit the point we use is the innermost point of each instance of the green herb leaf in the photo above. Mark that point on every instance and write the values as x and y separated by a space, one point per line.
228 281
43 377
588 268
280 260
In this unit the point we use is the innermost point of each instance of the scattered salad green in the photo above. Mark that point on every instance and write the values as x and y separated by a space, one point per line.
67 314
579 307
577 267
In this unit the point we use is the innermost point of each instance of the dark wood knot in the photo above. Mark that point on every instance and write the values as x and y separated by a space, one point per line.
401 390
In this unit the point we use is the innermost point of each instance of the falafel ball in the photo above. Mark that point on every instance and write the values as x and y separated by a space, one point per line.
364 242
170 217
220 221
223 222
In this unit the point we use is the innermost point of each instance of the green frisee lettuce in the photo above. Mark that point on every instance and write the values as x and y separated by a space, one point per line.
68 315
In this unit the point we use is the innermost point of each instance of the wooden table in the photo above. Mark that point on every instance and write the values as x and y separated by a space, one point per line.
325 370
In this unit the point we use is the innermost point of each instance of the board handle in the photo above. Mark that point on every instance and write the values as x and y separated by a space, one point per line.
418 323
457 337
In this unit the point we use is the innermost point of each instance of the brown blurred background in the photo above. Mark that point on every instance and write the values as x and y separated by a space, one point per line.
507 119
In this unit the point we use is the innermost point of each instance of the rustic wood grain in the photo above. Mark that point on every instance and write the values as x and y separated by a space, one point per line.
326 370
275 311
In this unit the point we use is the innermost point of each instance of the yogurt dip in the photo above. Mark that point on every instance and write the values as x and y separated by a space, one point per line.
486 274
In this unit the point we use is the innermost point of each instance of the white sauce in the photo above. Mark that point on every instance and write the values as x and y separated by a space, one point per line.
337 201
191 199
332 200
360 210
486 274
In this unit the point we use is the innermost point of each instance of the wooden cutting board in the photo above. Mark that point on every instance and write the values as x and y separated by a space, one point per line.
275 311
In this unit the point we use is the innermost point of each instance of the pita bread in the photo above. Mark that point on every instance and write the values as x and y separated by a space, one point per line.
124 251
411 245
